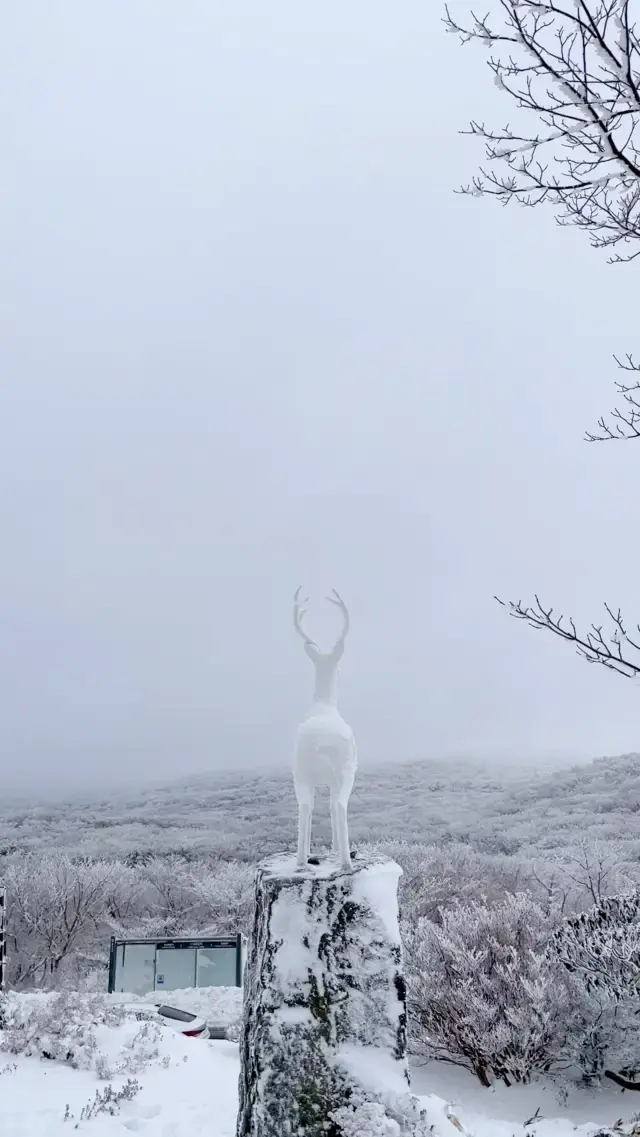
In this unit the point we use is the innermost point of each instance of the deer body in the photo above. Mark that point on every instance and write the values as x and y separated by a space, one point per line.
325 751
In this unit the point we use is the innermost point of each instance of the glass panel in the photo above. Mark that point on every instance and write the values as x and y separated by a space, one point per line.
134 968
175 968
216 967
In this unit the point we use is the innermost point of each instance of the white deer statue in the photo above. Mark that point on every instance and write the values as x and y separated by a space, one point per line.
325 753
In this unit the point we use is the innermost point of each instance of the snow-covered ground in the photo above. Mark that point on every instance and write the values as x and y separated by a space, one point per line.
506 1109
188 1088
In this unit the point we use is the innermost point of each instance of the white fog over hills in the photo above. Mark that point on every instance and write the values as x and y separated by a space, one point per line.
496 810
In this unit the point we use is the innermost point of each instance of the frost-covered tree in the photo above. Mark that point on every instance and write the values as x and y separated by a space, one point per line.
571 70
56 906
583 873
62 910
225 894
183 896
171 898
483 991
593 867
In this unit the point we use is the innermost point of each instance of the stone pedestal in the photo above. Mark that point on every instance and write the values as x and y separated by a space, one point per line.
324 998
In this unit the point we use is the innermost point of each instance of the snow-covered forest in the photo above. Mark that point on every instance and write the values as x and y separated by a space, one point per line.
497 872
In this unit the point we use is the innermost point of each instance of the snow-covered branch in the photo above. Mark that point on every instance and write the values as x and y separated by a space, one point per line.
574 70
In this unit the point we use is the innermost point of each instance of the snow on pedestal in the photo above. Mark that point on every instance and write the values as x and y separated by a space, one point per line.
324 996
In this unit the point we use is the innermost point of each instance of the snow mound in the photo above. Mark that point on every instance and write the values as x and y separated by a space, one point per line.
218 1006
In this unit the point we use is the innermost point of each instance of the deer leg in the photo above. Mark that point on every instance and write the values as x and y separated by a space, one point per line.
305 809
334 826
307 836
304 835
343 835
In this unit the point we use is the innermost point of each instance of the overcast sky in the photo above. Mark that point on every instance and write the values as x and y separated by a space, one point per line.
251 338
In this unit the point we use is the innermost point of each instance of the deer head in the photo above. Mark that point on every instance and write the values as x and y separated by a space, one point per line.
310 646
325 663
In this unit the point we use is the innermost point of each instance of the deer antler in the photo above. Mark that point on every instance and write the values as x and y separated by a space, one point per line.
298 612
339 603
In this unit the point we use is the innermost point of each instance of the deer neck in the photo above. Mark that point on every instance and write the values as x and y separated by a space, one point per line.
326 684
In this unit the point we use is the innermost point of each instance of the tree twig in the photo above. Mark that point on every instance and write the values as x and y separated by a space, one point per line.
613 649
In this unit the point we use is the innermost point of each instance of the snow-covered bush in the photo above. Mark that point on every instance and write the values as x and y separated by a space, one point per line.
435 877
68 1028
600 951
107 1101
620 1129
602 1034
170 899
382 1115
57 1026
603 946
483 992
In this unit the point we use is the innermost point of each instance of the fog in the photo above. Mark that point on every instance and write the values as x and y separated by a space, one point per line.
251 338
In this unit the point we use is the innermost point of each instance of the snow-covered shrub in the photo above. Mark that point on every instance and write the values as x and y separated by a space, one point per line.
600 951
106 1101
620 1129
603 946
365 1119
435 877
382 1115
138 1051
58 1026
483 991
66 1027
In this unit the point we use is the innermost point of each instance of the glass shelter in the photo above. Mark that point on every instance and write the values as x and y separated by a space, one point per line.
141 966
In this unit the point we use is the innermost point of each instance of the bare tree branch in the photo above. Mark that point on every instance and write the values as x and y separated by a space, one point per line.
626 419
614 648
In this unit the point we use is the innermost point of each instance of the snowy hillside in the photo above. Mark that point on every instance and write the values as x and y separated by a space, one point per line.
496 810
